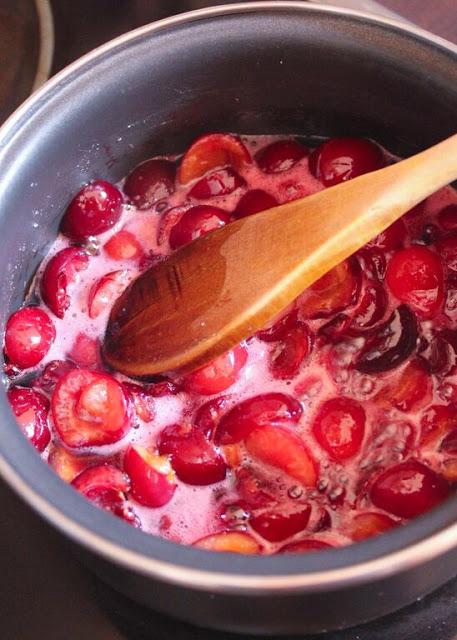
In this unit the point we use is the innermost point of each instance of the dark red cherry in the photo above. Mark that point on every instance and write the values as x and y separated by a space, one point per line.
340 159
408 391
408 489
391 238
280 328
218 375
218 183
149 182
305 546
373 262
208 415
371 307
29 335
437 421
449 443
152 478
60 272
196 222
339 427
367 525
266 409
94 210
391 344
447 217
31 410
290 353
194 460
280 156
51 375
254 201
415 276
255 489
335 291
276 526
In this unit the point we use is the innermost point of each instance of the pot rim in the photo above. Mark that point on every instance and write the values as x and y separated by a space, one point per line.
399 550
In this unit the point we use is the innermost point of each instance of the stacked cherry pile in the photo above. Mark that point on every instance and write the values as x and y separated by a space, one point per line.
335 423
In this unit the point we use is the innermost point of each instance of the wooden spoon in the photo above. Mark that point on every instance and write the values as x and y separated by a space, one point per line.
226 285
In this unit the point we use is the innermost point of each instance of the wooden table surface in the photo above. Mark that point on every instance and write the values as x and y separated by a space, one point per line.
438 16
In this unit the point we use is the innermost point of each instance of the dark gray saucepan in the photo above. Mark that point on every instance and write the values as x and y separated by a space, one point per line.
252 68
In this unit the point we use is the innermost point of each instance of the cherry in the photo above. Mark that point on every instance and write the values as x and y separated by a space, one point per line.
371 307
152 478
276 526
60 272
106 290
280 328
415 276
210 152
94 210
67 465
105 485
196 222
449 443
304 546
339 427
90 409
373 262
280 156
283 450
31 410
447 217
142 401
149 182
291 352
163 387
29 335
447 249
341 159
391 238
208 415
333 292
195 460
51 375
367 525
254 201
438 354
218 375
437 421
408 391
257 491
218 183
124 245
272 409
229 542
391 344
408 489
85 351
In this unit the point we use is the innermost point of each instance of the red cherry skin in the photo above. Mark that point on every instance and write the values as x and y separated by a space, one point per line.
367 525
447 217
152 477
60 272
291 352
339 427
31 410
276 526
149 182
195 222
94 210
408 489
305 546
252 202
218 183
124 245
218 375
280 156
341 159
209 414
29 335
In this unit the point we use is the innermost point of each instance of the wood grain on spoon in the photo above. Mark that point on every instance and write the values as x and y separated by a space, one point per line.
226 285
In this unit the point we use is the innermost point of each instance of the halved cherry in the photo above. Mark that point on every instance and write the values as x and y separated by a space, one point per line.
447 250
280 328
85 351
60 272
152 478
106 486
447 217
333 292
67 465
218 375
29 335
373 262
408 489
290 353
391 238
283 450
94 210
208 415
51 375
210 152
276 526
255 489
408 391
339 427
150 181
142 401
438 352
31 410
254 201
436 422
415 276
391 344
280 156
163 387
229 542
272 409
104 292
196 222
90 409
341 159
124 245
195 460
371 307
305 546
218 183
369 524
